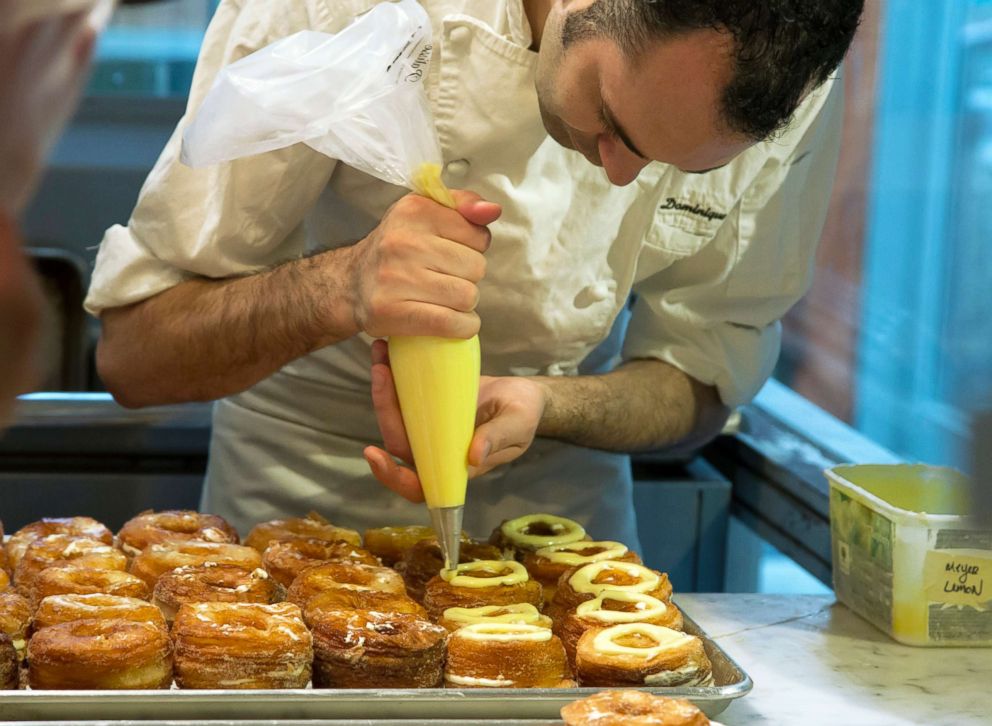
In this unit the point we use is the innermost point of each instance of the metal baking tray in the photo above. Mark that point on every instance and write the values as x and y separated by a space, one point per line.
355 705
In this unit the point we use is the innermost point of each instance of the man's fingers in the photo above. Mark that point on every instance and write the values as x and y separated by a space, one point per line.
398 478
475 209
387 412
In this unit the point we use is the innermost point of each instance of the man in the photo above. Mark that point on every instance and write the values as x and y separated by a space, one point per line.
44 55
245 283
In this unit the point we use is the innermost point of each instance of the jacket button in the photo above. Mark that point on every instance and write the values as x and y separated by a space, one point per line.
457 168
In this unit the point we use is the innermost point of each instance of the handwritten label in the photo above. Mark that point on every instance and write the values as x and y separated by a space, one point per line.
959 577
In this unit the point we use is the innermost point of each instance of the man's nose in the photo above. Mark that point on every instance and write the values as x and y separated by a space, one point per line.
621 164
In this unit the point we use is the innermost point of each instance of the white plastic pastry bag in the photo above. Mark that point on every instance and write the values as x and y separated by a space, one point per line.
356 96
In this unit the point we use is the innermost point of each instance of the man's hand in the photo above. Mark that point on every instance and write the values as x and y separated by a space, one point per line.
417 273
43 65
509 411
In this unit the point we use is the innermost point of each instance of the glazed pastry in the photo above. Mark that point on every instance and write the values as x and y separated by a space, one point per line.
640 654
529 533
389 543
72 579
579 584
213 583
632 708
346 599
614 608
241 645
486 582
57 609
424 560
76 526
64 549
10 667
4 570
366 649
100 654
174 525
343 575
312 526
505 655
15 615
522 613
547 564
157 559
286 559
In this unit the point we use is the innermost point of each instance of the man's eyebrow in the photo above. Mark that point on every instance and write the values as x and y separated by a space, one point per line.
611 120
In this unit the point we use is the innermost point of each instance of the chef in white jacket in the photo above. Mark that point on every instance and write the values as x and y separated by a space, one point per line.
601 164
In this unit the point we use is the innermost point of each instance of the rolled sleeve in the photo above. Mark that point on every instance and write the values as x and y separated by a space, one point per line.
715 314
221 221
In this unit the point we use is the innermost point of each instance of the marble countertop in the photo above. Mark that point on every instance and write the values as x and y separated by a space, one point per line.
813 661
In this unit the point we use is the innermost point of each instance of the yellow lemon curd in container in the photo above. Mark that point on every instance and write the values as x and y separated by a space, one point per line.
908 557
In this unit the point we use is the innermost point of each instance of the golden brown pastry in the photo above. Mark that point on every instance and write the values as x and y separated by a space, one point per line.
632 708
424 560
288 558
548 564
64 549
312 526
76 526
505 655
69 579
56 609
389 543
366 649
213 583
640 654
100 654
343 575
375 600
174 525
515 537
10 667
614 608
157 559
522 613
579 584
15 616
486 582
4 570
241 645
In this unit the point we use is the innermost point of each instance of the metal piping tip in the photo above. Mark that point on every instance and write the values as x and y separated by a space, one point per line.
447 524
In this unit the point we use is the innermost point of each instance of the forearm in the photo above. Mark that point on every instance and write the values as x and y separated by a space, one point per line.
205 339
642 405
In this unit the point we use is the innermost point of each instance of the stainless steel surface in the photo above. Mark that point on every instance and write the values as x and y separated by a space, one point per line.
447 524
355 705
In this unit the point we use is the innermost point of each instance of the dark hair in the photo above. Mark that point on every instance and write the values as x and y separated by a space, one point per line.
782 48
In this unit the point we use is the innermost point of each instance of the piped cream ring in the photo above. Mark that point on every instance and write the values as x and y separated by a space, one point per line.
522 613
562 531
605 641
504 632
569 553
582 580
646 607
456 577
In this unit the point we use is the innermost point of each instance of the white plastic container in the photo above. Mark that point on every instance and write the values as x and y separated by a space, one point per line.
906 556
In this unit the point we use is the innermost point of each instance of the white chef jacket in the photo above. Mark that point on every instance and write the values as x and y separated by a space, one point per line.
714 260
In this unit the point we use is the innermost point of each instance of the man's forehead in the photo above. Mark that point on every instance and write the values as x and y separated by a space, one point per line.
668 98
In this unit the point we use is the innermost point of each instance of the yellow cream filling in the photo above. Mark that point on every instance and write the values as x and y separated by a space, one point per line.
583 579
605 641
646 607
565 553
562 531
504 632
457 577
518 613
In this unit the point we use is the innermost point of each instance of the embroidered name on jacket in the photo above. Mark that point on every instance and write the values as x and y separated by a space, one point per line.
707 212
